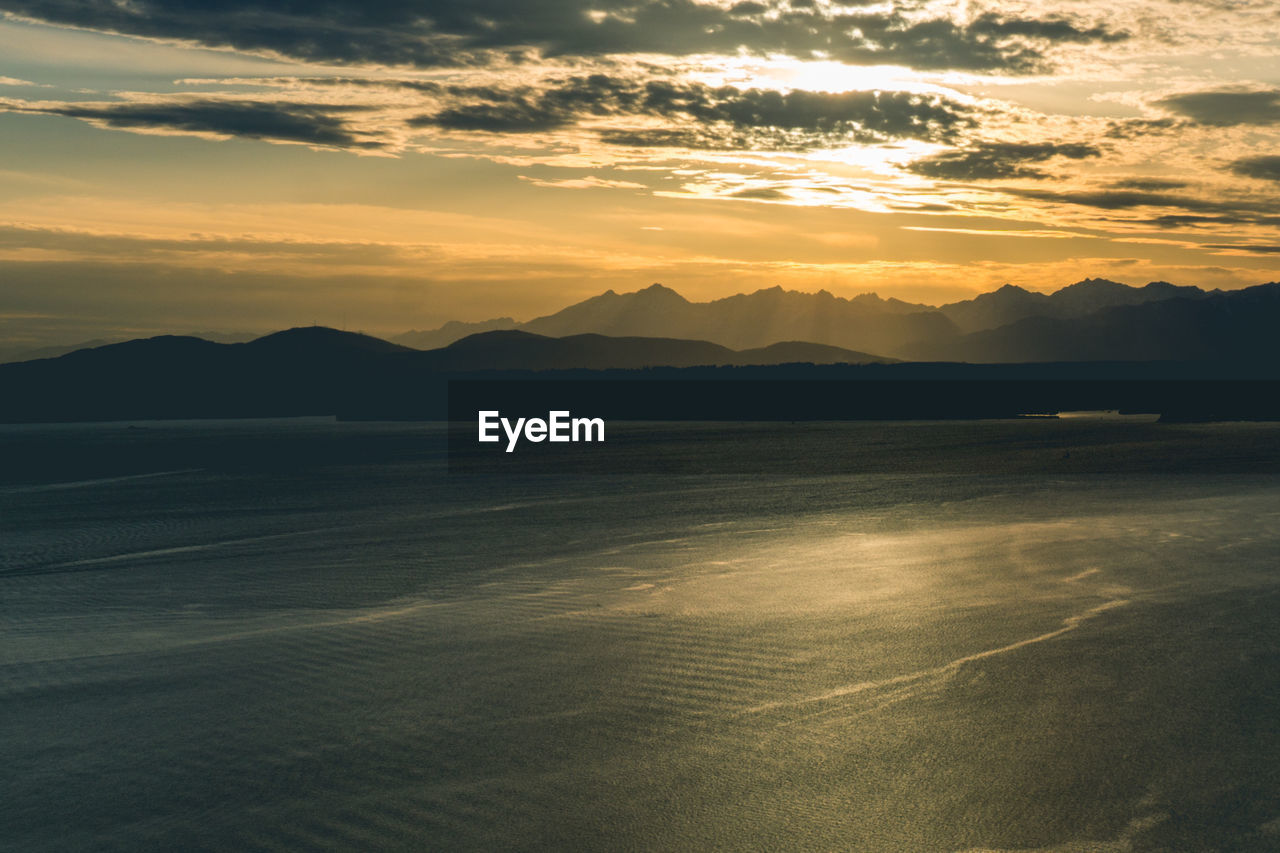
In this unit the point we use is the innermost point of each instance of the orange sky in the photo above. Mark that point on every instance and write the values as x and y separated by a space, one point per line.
176 167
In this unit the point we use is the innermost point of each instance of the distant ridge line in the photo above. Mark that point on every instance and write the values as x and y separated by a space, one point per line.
1120 321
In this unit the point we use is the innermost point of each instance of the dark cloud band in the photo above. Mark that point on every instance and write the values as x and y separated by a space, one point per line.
710 117
1183 209
1225 108
698 116
313 124
989 161
433 33
1266 168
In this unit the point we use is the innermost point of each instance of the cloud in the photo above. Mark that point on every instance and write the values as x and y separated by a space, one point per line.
1226 107
864 116
1039 234
313 124
708 117
1134 128
123 247
526 109
340 113
701 140
988 161
1147 184
1234 248
435 33
1189 210
1266 168
990 42
1184 220
760 194
586 182
1118 199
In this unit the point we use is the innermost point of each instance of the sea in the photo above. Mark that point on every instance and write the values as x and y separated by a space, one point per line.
304 634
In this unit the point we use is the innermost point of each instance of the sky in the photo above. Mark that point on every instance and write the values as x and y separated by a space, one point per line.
174 166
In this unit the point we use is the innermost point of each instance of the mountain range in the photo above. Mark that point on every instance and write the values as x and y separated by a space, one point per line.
1237 326
742 321
1091 310
1093 319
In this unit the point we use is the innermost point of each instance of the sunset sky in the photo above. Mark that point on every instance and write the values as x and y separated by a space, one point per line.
180 166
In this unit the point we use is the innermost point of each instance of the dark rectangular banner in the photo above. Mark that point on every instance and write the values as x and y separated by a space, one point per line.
569 426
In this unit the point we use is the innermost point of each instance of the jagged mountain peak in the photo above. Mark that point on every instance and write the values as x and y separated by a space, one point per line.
1009 292
655 293
658 291
866 322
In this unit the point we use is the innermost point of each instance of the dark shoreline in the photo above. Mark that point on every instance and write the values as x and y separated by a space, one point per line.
1041 447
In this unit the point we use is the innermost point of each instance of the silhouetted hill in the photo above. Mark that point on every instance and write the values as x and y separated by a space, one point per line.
1226 326
325 373
321 341
511 349
29 353
316 370
13 353
506 350
293 372
803 352
158 346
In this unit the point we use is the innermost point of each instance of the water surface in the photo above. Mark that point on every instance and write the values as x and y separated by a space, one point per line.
283 636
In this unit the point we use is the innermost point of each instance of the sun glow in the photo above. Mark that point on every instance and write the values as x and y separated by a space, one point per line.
782 72
883 160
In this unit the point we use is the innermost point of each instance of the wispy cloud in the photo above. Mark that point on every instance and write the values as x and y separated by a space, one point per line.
587 182
1002 233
